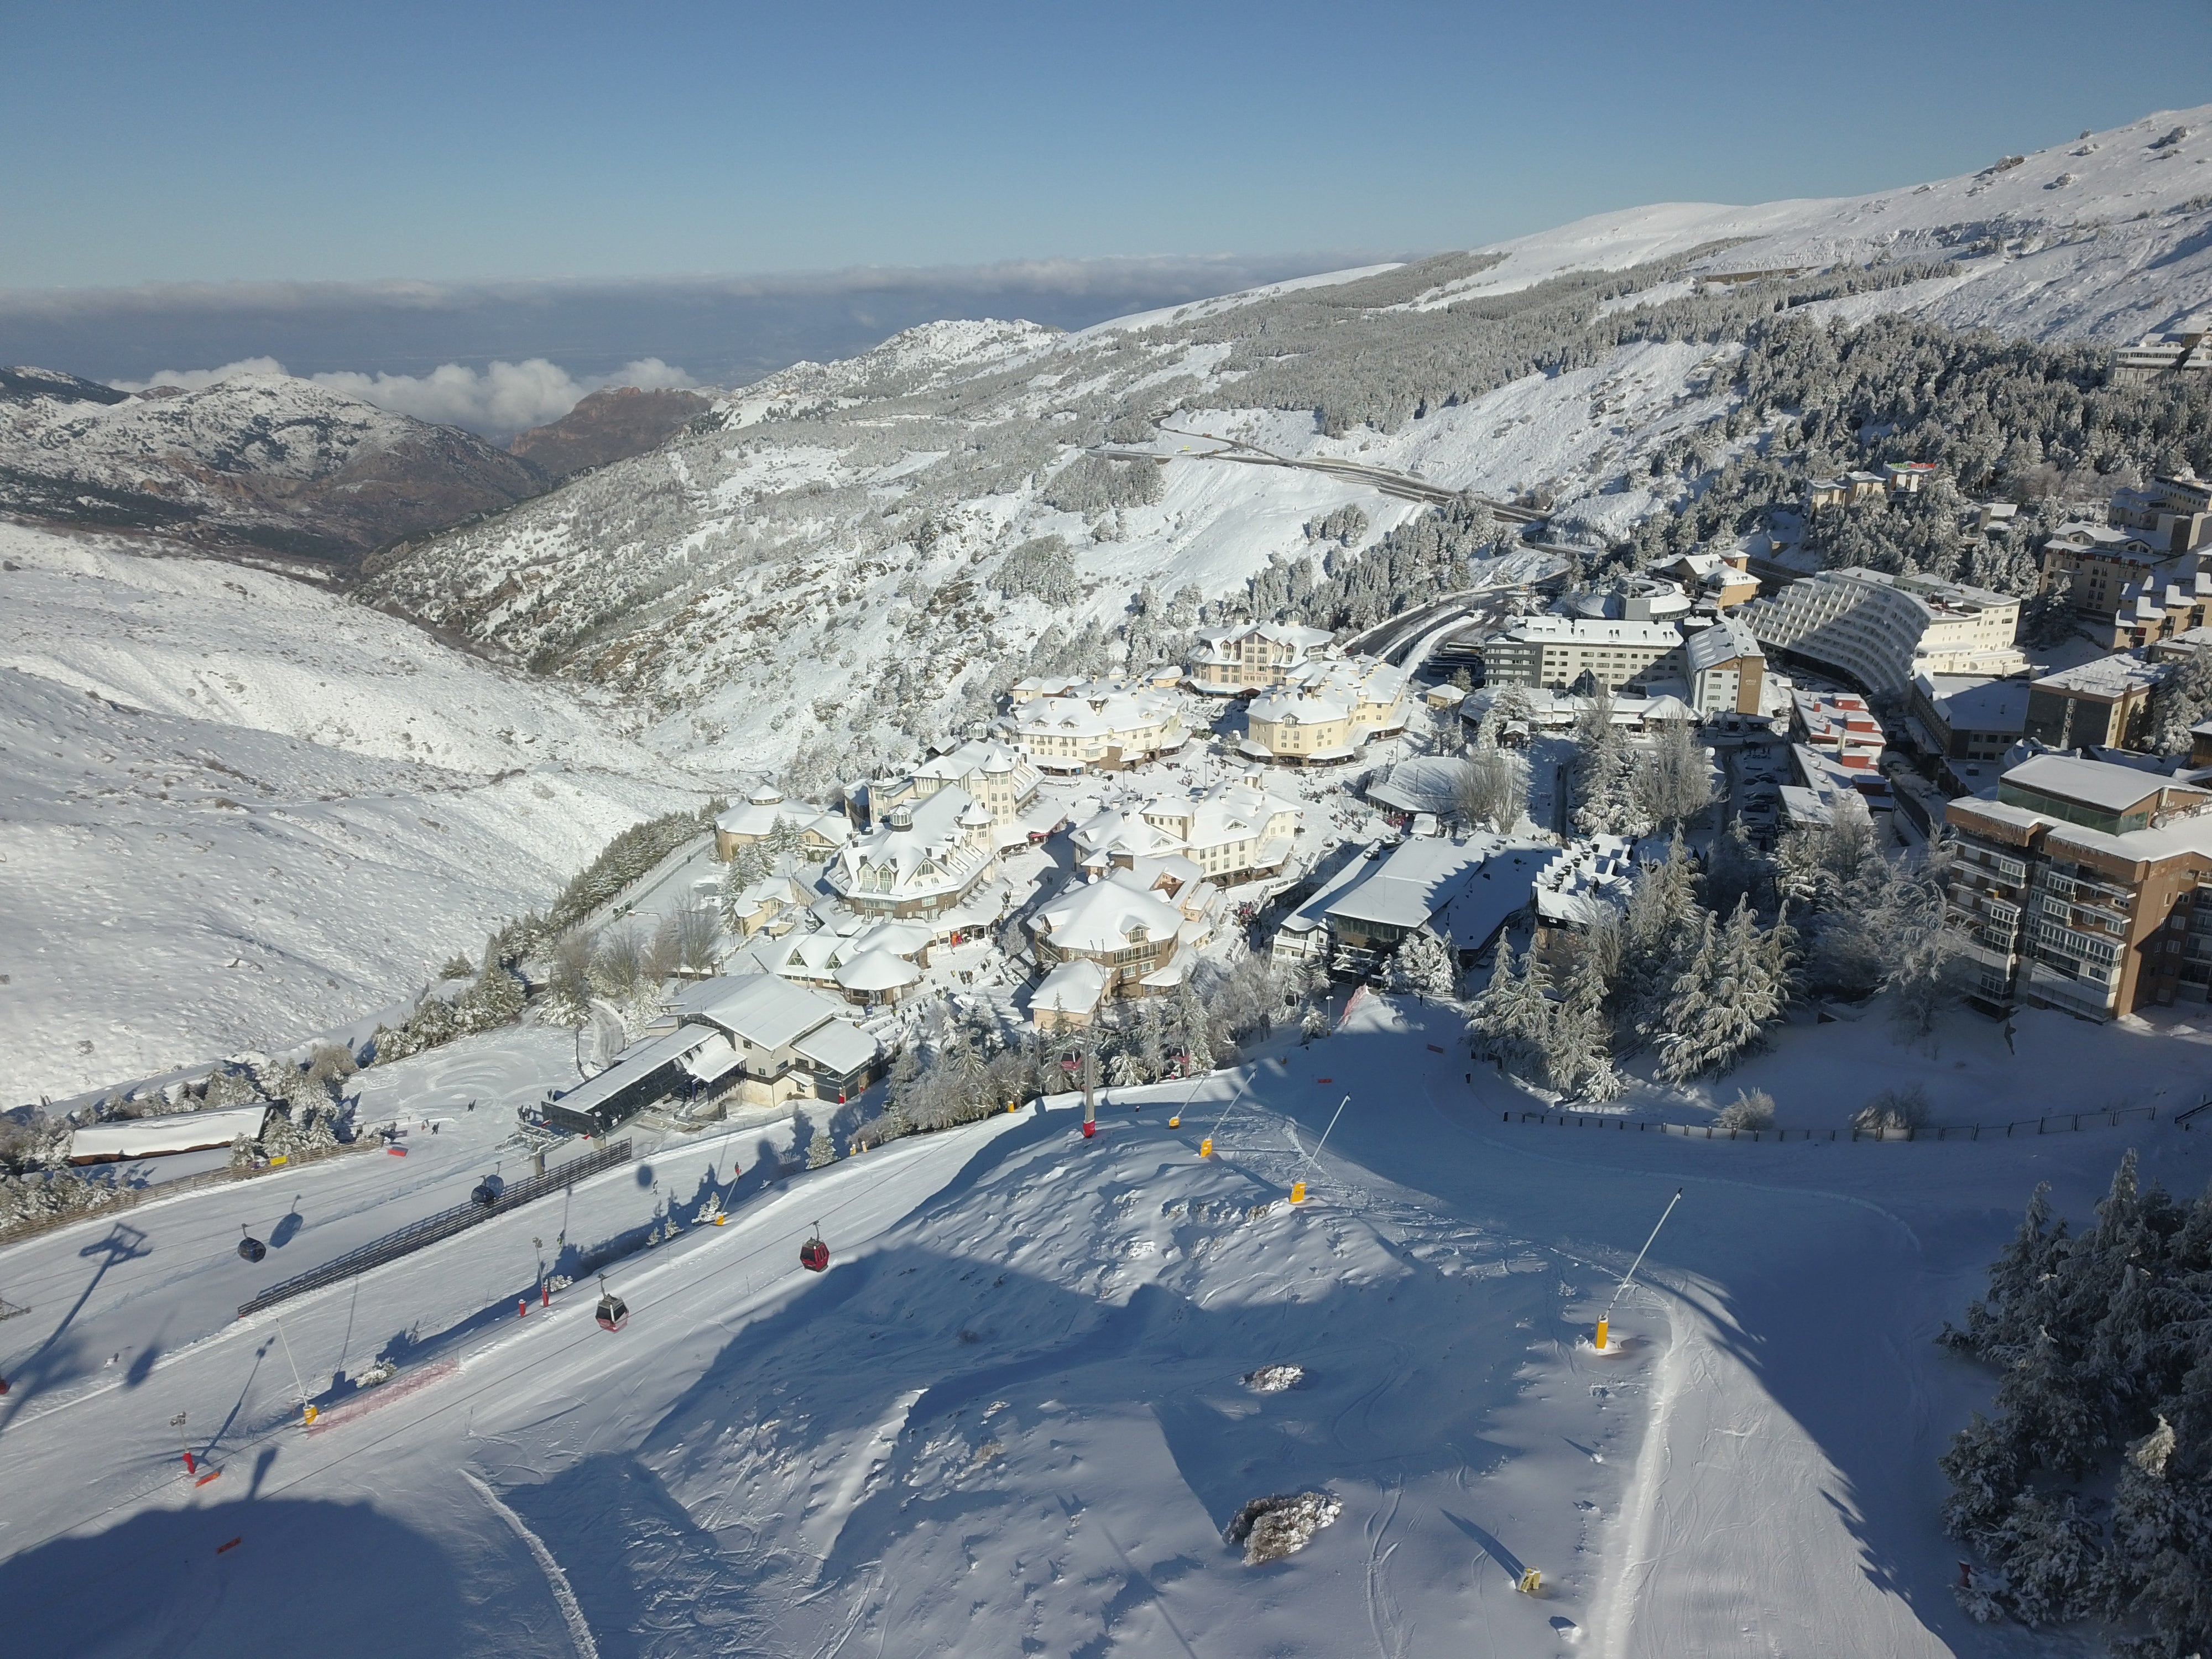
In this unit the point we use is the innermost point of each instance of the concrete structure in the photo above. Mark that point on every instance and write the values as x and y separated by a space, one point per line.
2105 703
1254 656
1231 831
1325 711
1555 652
1879 630
2085 886
814 830
920 861
2172 514
1592 882
1645 597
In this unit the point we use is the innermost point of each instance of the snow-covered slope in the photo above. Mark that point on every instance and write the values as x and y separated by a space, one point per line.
2103 239
236 809
257 461
822 572
1012 1417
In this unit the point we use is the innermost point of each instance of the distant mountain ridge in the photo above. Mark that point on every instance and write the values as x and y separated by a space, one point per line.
261 463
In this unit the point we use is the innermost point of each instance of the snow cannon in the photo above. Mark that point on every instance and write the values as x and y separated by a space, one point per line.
1176 1122
1532 1581
1602 1326
250 1249
1089 1129
307 1416
1206 1147
1297 1192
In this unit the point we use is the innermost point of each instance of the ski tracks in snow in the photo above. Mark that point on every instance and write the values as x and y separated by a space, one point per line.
1384 1615
579 1632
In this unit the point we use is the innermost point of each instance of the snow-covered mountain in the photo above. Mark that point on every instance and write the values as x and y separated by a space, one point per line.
235 807
831 567
256 462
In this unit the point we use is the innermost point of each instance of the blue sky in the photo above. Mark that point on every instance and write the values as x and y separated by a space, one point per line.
160 143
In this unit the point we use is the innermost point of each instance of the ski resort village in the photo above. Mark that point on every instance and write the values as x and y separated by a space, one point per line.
1500 954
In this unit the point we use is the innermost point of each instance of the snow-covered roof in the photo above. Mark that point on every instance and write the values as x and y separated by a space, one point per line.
1552 630
1426 783
2115 675
174 1132
1073 987
2092 783
839 1047
1724 641
1421 877
1106 916
1594 877
670 1049
766 1009
877 970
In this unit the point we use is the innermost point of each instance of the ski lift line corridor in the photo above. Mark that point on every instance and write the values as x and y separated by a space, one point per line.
485 1202
764 1229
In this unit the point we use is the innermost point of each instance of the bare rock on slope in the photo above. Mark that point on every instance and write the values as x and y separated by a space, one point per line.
611 425
257 462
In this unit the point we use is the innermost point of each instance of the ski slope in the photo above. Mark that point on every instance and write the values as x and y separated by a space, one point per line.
1009 1417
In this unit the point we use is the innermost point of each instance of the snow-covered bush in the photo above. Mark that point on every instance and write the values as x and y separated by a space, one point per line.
1274 1379
1751 1108
1893 1112
1491 787
1281 1524
496 999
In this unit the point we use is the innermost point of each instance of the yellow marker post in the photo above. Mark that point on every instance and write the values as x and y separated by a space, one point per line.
307 1415
1601 1325
1176 1122
1297 1192
1532 1581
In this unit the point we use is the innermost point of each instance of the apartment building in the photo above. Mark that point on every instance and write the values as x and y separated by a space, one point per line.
997 778
1554 651
2157 355
1101 731
1879 630
2085 886
1725 668
2103 704
1967 717
1255 656
920 861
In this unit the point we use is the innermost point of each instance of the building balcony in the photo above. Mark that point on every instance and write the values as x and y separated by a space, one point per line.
2092 997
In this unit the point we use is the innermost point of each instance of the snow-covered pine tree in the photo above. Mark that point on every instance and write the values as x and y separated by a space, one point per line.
1423 965
1512 1019
1193 1025
1724 1001
1578 1052
1656 934
822 1151
1605 773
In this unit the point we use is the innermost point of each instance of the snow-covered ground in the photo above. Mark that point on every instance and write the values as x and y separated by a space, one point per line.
235 810
1010 1417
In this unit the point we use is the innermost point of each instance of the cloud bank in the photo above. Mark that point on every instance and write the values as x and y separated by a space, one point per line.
498 401
492 356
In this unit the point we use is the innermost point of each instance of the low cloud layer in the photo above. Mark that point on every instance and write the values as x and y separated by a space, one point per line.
498 401
499 357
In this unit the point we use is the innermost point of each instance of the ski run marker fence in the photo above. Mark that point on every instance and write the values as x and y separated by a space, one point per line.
444 1225
2058 1123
